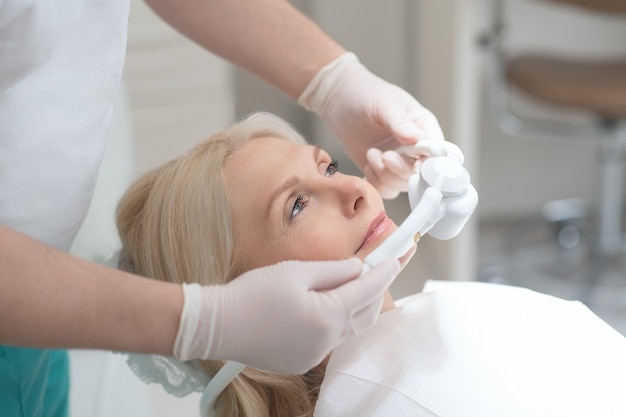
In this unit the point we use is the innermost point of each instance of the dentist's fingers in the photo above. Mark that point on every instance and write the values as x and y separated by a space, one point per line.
332 274
384 191
385 172
363 297
365 310
400 165
432 148
366 289
366 317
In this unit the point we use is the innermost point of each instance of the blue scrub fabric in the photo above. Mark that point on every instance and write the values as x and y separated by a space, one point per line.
33 382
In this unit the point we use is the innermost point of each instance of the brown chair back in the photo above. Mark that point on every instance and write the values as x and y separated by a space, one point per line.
609 6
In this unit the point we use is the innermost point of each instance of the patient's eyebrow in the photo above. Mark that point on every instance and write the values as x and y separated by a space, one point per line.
286 186
289 184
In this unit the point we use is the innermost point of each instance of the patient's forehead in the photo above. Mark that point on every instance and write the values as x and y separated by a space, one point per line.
265 156
259 165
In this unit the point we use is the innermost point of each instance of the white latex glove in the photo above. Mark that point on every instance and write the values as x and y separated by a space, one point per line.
284 318
365 111
391 169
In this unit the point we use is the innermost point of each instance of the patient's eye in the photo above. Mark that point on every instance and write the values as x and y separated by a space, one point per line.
332 168
298 206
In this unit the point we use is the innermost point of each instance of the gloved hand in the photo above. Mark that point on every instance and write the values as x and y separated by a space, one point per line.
391 170
284 318
365 111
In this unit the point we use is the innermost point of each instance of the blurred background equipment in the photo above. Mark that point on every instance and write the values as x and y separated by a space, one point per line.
585 245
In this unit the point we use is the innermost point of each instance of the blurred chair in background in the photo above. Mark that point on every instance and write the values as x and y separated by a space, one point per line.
596 86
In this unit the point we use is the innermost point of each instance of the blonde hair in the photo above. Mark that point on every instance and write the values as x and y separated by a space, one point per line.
175 226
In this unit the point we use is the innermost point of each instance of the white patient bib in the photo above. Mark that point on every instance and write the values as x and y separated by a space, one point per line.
60 65
479 351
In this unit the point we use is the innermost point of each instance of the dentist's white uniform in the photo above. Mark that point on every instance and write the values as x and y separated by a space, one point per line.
61 64
479 350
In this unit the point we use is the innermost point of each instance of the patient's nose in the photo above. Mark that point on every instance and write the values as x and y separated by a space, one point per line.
352 194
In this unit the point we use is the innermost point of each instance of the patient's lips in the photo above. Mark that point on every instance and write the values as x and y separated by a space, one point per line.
377 230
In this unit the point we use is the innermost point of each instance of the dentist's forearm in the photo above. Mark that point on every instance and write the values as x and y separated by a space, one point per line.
269 38
51 299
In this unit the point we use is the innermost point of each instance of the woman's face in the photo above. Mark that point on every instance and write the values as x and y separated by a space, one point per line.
288 201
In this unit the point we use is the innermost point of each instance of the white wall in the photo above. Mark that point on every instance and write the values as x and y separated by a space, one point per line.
178 92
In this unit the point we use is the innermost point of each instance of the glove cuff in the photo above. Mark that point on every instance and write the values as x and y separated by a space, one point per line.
185 344
314 96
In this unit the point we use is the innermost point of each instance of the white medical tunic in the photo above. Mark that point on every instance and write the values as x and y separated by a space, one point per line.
479 350
60 66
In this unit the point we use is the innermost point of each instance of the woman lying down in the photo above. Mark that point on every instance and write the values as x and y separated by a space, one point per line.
261 195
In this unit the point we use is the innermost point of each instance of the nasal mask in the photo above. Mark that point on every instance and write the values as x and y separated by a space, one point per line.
442 199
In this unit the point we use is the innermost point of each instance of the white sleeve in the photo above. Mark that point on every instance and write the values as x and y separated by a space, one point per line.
29 31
